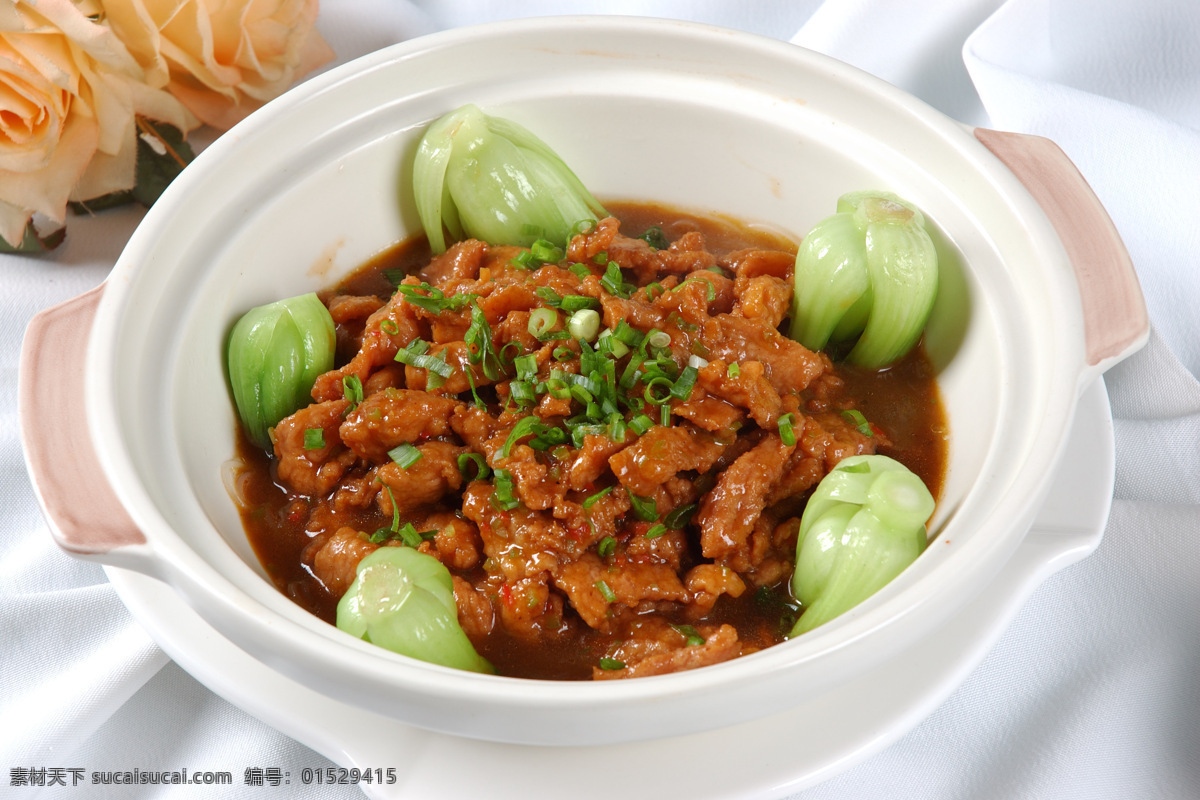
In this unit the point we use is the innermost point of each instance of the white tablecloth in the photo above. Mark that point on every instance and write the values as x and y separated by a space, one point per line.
1093 691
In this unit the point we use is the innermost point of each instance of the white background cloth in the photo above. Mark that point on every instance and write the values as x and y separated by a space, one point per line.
1094 690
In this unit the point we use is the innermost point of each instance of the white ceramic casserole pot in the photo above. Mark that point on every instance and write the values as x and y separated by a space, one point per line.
1038 297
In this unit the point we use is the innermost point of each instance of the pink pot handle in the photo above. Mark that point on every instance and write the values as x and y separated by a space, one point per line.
85 517
1115 319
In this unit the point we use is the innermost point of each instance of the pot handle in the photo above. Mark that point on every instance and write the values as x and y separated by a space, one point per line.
1115 319
84 515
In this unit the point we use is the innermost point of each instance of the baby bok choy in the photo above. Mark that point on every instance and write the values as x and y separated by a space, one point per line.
488 178
403 600
869 271
863 525
275 354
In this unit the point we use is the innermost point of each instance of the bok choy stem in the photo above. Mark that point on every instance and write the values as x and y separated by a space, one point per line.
863 525
491 179
869 271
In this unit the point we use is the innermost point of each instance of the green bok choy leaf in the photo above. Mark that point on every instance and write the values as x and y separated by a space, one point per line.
489 178
274 356
863 525
403 600
869 271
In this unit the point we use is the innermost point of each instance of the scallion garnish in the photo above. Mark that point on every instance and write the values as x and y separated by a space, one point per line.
502 494
352 389
546 251
592 499
481 470
584 324
526 427
526 367
404 454
682 388
606 547
435 300
542 321
613 282
680 517
786 433
656 531
611 664
605 592
314 438
655 237
644 507
733 370
689 633
856 418
574 302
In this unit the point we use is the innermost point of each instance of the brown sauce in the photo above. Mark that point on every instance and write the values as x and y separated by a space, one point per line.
901 401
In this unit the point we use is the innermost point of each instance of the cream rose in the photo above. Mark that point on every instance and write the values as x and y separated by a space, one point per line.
69 95
222 58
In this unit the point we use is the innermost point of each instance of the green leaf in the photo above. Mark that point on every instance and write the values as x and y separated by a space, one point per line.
34 242
162 154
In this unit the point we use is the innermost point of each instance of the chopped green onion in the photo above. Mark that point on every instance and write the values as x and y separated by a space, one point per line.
526 427
581 227
785 430
682 388
502 494
352 389
689 633
479 340
549 296
409 534
654 398
481 468
314 438
600 258
526 367
605 592
658 338
542 321
523 260
584 324
593 498
644 507
680 517
581 271
395 509
856 418
611 664
404 454
546 251
522 393
614 282
606 547
733 370
656 531
655 237
575 302
641 423
627 334
389 327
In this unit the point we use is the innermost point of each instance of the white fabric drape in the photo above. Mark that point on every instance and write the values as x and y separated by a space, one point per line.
1093 690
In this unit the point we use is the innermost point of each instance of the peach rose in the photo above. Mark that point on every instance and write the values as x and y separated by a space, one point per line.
222 58
69 95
